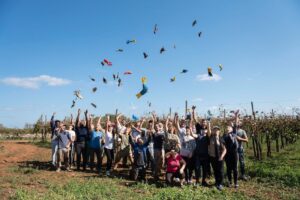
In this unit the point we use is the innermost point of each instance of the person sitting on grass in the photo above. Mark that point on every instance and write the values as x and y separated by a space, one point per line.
140 157
175 168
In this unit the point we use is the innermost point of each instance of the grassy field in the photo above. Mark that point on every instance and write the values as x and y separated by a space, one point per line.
276 178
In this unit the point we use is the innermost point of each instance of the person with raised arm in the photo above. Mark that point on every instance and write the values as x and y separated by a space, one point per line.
54 125
146 133
216 152
159 137
81 130
172 139
109 145
95 143
188 145
242 138
72 145
201 157
140 157
123 133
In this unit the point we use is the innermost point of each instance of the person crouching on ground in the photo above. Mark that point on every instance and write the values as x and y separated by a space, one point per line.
175 168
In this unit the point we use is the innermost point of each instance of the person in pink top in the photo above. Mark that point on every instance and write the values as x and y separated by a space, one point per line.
175 168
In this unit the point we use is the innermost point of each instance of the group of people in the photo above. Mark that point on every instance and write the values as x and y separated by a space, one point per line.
173 147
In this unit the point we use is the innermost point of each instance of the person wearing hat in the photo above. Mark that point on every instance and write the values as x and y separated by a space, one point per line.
231 157
216 152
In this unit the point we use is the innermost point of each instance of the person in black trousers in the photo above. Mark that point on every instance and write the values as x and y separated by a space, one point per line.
217 152
201 157
231 157
81 130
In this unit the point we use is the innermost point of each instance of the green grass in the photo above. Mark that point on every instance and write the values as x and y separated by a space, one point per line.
273 178
95 188
283 167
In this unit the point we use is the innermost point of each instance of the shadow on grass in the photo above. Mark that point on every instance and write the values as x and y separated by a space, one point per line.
37 165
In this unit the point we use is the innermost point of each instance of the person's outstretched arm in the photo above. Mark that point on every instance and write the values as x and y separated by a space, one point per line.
77 118
86 118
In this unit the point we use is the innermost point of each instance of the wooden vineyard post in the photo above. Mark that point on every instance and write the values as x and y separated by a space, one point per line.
255 140
186 108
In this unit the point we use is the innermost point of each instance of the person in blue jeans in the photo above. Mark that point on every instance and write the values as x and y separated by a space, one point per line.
241 138
95 144
55 126
140 157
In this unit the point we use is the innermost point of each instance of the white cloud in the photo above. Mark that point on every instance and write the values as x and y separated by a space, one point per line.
35 82
205 77
197 100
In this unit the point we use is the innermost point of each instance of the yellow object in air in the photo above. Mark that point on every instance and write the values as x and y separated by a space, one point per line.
144 80
138 95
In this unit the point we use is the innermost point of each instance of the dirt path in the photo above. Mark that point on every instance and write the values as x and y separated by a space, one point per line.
12 153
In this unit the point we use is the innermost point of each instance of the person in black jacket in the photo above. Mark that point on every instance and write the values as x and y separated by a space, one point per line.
231 157
216 152
82 131
201 156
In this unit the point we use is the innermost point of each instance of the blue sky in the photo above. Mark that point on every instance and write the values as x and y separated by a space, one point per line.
257 42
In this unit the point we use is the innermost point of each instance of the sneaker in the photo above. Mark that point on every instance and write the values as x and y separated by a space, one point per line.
236 186
244 178
69 170
220 187
107 173
58 170
176 180
190 182
230 185
205 184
